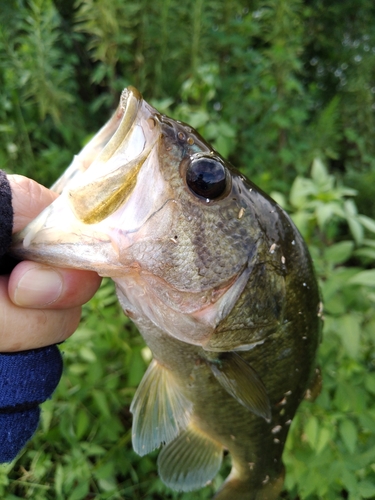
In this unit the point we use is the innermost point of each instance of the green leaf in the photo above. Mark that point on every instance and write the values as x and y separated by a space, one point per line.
349 330
349 434
300 190
82 422
339 252
368 242
87 354
80 492
366 458
302 221
365 252
350 208
366 489
337 280
59 479
199 118
318 171
279 198
323 439
365 278
46 415
137 367
311 431
356 229
101 403
367 222
324 213
370 382
350 482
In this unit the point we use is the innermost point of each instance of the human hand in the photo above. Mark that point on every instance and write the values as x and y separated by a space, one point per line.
39 305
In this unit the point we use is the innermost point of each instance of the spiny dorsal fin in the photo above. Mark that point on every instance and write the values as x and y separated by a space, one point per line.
190 461
242 382
160 410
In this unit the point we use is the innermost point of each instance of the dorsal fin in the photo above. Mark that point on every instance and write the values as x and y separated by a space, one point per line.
242 382
160 410
190 461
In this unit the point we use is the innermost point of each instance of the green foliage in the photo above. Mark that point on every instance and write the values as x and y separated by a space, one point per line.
320 202
37 88
331 447
279 86
273 83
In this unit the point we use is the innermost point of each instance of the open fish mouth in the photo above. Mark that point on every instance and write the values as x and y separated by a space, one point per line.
96 191
105 142
101 191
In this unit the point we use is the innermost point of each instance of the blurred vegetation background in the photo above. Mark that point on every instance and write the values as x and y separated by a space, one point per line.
286 90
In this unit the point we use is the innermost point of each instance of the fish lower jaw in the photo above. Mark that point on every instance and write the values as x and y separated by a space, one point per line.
68 256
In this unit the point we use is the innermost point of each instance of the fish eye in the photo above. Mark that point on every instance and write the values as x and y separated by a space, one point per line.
206 177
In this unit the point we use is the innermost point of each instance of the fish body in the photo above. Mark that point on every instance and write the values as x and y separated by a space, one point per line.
218 281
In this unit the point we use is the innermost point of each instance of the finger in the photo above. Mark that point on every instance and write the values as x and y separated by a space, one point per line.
28 199
23 328
36 286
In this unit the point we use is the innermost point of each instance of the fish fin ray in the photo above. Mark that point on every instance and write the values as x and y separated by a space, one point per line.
160 410
190 461
242 382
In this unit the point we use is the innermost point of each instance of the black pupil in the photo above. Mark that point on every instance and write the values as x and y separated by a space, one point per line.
206 178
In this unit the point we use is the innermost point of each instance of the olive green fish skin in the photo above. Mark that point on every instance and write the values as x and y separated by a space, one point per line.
222 290
277 313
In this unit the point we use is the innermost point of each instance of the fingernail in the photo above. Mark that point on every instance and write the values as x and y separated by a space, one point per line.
38 287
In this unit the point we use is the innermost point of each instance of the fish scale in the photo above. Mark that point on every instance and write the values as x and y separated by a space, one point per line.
218 281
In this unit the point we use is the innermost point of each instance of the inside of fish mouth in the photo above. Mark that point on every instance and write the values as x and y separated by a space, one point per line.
91 203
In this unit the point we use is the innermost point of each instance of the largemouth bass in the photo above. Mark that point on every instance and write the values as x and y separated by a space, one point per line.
218 281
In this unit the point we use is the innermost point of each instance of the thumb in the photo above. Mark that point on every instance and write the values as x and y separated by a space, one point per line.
28 199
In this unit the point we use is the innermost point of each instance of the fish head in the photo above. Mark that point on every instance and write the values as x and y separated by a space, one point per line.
150 204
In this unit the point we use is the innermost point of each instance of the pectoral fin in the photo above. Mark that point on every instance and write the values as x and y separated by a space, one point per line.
160 410
190 461
242 382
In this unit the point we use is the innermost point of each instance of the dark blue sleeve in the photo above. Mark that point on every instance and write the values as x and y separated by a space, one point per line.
6 214
27 378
